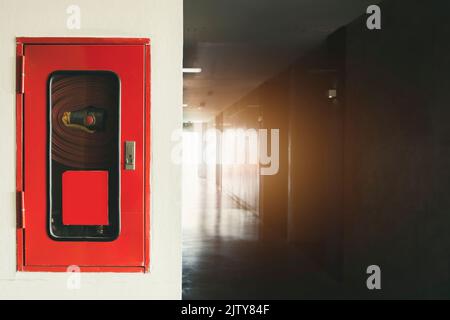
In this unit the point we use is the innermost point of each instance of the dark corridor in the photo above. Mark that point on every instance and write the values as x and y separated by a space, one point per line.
364 152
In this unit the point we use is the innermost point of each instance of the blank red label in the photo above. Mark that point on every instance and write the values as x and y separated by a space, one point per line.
85 198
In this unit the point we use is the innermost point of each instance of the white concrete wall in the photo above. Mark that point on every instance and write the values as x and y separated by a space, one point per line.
162 22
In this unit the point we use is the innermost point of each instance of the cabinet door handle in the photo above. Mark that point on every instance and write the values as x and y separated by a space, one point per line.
130 154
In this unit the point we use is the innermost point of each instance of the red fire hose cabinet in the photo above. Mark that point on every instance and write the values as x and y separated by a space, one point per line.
83 154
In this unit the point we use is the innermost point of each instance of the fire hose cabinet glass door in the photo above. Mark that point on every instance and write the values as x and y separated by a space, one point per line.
83 154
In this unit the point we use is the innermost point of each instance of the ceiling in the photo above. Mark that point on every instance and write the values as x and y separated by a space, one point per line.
241 43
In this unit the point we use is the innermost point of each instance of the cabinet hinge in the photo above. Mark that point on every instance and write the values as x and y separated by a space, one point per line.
20 74
21 210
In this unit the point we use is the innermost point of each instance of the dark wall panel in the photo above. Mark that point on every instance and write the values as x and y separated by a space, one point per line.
396 157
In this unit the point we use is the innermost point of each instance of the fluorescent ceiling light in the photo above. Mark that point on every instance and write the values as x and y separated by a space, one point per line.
192 70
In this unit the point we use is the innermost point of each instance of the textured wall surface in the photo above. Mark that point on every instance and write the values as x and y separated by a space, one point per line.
162 21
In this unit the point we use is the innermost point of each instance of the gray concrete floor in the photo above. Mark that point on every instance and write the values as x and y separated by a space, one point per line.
224 259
